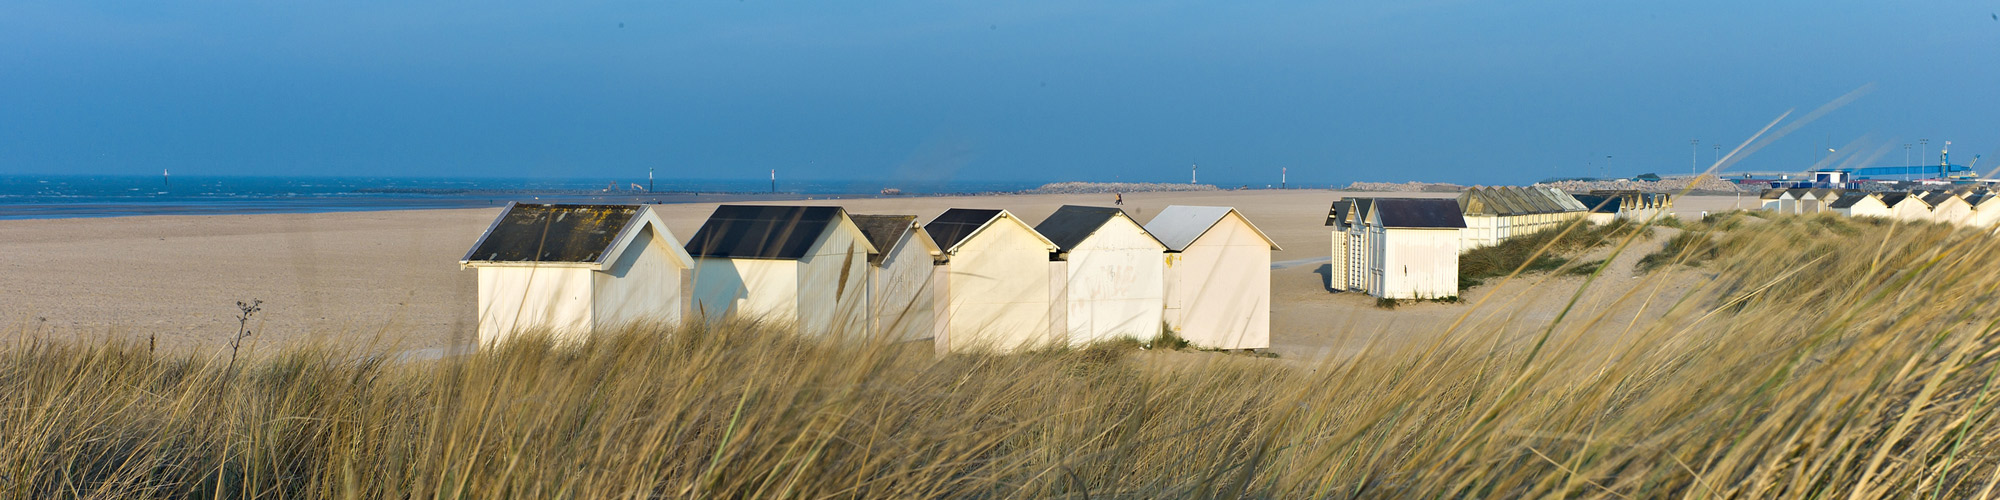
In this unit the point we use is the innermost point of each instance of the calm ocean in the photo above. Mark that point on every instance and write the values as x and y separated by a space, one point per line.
38 197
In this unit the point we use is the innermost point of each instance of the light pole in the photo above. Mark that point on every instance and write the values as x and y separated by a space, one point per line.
1694 151
1718 156
1923 149
1603 172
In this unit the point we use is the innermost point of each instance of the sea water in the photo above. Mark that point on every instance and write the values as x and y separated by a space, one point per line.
57 196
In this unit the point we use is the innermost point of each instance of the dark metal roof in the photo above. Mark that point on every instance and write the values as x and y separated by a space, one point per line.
553 233
956 224
761 232
1892 198
1419 212
1937 198
1600 204
1771 194
883 232
1336 214
1071 224
1848 199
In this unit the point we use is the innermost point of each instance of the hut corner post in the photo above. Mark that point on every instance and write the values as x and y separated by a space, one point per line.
941 308
1059 303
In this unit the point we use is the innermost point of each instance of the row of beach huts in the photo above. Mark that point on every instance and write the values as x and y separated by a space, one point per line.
1969 206
1408 248
969 279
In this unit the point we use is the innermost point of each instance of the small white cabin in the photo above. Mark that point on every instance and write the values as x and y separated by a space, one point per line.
1859 204
899 280
1948 208
1985 211
1776 200
574 269
804 268
1114 274
1415 250
1218 276
993 285
1906 206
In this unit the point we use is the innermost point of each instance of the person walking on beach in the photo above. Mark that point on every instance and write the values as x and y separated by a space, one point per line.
1118 198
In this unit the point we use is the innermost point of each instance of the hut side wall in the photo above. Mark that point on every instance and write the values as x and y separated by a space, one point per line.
1116 285
1419 263
999 282
1481 230
1219 288
1867 207
833 284
644 285
1911 209
752 289
1953 210
519 298
901 291
1337 268
1985 215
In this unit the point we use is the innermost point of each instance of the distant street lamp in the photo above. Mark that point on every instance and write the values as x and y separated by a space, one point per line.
1718 156
1923 149
1694 153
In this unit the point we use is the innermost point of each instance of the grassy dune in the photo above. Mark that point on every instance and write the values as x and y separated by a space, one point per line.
1818 357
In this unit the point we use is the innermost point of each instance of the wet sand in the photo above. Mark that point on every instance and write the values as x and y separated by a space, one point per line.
391 279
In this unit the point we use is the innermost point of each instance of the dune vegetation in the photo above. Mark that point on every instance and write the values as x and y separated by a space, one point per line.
1815 357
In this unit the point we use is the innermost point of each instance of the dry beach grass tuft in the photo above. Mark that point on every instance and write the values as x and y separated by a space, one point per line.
1821 357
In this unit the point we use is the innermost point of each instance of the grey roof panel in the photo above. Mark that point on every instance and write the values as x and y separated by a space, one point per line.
883 232
954 225
1847 200
1600 204
1937 198
761 232
1419 212
1071 224
553 233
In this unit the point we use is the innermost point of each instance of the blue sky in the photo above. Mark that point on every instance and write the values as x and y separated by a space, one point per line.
1475 92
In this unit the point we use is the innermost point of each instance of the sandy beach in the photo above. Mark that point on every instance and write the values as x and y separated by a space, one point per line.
391 279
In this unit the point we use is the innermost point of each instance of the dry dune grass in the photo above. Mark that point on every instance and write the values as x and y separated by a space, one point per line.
1823 357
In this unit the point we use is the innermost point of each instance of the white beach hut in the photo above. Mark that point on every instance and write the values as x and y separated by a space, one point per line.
1114 274
801 267
1985 211
1859 204
1218 276
1772 200
1948 208
899 280
994 283
1415 252
573 269
1906 206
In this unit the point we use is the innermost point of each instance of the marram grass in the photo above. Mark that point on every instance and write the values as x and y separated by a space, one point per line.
1813 358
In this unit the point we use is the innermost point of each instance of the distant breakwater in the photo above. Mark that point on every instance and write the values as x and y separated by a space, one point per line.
1116 187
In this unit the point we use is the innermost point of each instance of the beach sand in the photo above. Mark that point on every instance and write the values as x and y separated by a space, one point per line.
391 279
